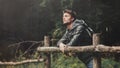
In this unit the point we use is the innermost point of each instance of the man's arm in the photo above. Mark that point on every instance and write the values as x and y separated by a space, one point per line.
79 30
62 40
61 44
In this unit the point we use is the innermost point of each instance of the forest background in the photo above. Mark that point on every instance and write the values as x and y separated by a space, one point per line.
31 20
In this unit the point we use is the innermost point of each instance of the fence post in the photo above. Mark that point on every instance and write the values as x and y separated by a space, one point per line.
96 58
48 58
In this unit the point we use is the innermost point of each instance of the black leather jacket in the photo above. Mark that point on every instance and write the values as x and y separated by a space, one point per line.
78 35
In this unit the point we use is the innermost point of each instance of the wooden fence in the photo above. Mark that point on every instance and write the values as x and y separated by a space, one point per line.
95 48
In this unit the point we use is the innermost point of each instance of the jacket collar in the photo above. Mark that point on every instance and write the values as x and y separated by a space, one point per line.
75 23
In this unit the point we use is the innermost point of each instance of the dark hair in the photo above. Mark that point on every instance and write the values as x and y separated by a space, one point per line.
71 12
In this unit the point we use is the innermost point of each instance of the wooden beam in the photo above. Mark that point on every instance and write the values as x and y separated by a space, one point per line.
93 49
48 58
22 62
97 56
69 49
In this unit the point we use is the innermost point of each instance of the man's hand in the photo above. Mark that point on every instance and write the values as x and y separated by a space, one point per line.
63 47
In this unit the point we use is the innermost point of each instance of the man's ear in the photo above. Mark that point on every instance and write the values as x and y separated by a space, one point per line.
73 19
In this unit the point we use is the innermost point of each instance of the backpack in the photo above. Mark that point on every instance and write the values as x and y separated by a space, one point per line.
88 29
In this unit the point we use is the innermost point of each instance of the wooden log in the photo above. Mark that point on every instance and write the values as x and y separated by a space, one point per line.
22 62
93 49
48 58
69 49
96 57
108 49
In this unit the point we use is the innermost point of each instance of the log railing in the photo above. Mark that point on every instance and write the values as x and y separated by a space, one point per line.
96 48
92 49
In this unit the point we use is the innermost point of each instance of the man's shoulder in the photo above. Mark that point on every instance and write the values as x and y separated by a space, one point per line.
81 21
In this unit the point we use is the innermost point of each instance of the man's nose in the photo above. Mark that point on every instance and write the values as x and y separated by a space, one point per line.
63 18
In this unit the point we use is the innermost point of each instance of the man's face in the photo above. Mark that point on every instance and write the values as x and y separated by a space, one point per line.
67 18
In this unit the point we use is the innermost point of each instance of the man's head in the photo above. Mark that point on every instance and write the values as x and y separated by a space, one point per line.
68 16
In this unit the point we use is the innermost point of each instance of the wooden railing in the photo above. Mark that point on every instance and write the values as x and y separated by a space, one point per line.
95 48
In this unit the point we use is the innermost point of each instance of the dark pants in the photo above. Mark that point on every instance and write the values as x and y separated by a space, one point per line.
86 58
89 64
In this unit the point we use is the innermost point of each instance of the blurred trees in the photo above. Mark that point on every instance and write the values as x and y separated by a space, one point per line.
23 20
31 20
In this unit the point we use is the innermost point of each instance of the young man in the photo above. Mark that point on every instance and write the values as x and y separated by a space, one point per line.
77 33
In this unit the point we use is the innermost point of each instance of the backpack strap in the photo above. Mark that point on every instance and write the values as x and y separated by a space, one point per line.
88 29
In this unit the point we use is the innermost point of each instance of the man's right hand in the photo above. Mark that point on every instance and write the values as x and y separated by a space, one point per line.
63 47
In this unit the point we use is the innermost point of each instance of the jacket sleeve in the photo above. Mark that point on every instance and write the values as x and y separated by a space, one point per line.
78 31
62 40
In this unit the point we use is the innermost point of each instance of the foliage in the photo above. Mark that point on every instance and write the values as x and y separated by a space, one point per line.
63 61
58 31
110 63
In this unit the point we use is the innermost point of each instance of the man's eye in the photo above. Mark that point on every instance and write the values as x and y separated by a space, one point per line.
66 16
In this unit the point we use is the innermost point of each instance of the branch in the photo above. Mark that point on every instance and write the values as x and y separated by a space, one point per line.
22 62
